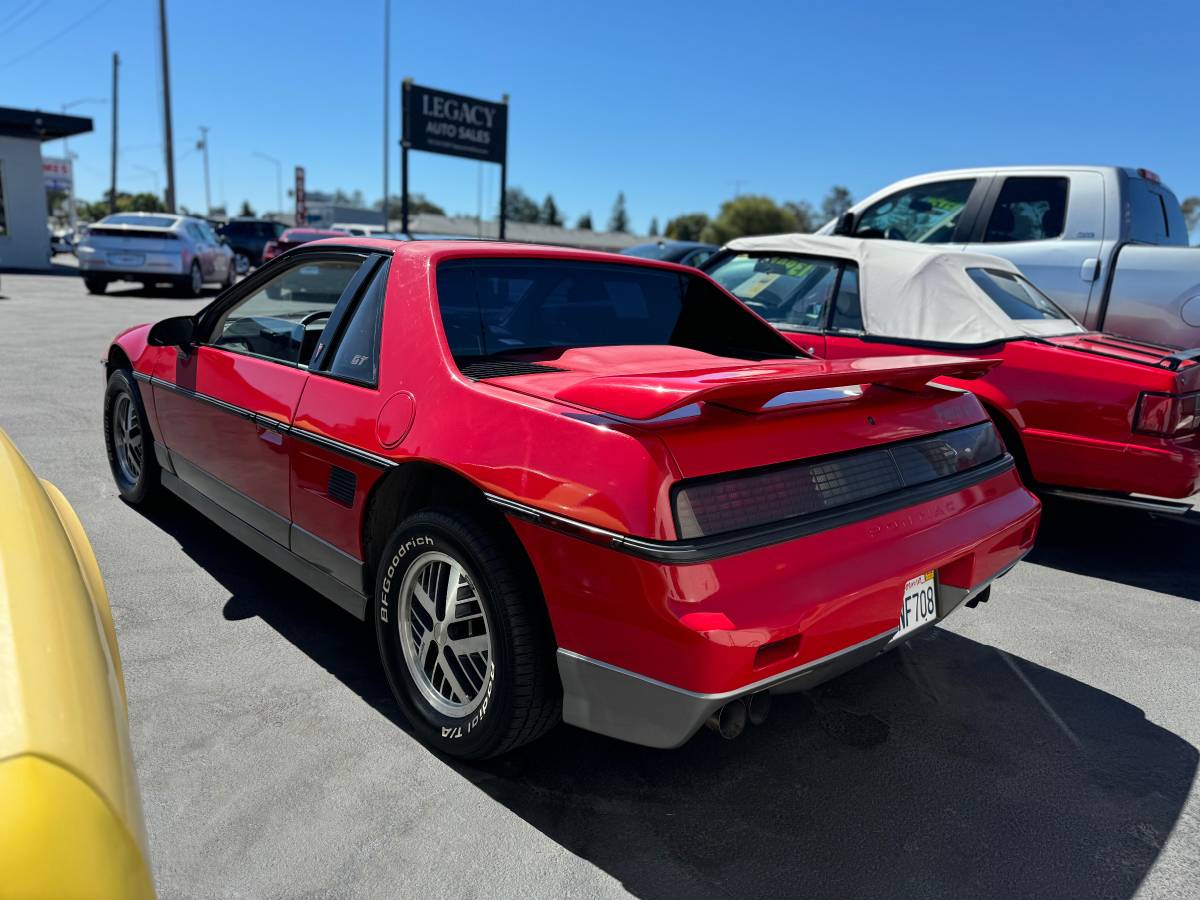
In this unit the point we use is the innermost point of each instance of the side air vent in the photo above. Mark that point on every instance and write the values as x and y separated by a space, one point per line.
341 485
502 368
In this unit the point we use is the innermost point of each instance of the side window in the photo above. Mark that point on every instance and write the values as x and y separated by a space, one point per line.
194 232
357 353
1029 209
790 292
283 319
926 214
847 308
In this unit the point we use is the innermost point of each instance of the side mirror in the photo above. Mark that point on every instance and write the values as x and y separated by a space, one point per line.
845 224
176 331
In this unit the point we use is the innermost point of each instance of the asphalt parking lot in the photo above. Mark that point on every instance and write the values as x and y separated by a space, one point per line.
1044 744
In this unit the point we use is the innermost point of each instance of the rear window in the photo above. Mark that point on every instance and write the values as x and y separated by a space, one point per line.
494 307
143 221
1016 297
1153 214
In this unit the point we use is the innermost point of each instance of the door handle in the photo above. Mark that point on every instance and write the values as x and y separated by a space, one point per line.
1090 270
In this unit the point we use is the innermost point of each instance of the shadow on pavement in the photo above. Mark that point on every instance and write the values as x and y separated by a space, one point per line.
157 292
1126 546
943 769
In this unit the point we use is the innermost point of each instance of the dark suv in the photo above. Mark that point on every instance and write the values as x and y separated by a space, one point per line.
248 237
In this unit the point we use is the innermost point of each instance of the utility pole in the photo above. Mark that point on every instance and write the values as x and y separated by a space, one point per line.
387 46
112 188
168 144
202 145
278 180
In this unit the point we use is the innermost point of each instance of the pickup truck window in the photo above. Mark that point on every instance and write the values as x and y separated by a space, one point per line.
1028 209
925 214
1150 219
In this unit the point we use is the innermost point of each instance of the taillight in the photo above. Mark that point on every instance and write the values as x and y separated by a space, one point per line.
270 250
725 503
1167 415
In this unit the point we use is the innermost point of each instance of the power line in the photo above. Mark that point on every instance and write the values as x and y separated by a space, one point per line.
46 43
11 25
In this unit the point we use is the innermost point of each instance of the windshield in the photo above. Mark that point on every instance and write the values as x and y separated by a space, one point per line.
787 291
1016 297
494 307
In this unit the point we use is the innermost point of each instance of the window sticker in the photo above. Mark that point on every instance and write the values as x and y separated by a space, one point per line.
756 284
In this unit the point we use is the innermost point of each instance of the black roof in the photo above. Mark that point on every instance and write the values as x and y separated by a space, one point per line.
44 126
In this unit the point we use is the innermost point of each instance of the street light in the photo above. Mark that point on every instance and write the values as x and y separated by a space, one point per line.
71 218
278 180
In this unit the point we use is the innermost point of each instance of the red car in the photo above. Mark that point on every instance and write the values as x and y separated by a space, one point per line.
294 237
568 484
1088 415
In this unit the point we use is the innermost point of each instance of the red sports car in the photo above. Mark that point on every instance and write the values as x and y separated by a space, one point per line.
568 484
1089 415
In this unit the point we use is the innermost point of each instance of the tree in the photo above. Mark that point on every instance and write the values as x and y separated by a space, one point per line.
804 214
748 214
417 204
585 222
653 232
520 207
1191 212
549 214
836 202
247 209
619 220
687 227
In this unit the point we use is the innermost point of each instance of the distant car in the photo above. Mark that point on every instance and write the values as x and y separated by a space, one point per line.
360 230
154 248
248 238
62 240
1107 244
1087 414
686 253
294 237
71 821
569 483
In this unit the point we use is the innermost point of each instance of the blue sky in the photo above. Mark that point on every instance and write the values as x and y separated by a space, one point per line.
676 104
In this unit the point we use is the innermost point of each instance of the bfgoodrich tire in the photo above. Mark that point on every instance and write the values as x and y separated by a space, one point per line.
128 440
463 636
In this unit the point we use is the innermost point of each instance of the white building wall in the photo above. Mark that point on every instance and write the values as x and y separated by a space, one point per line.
26 245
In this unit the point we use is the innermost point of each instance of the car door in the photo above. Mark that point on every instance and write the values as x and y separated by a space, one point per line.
932 212
342 428
201 250
225 408
1047 225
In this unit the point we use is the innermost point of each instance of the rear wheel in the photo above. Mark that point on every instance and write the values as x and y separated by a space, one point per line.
193 283
94 284
128 440
463 637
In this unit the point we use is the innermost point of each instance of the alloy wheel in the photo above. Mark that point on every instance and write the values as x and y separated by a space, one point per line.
128 446
445 634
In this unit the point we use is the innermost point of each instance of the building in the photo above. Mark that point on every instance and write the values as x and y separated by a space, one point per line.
24 240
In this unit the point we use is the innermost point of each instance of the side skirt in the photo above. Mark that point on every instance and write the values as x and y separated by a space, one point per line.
346 597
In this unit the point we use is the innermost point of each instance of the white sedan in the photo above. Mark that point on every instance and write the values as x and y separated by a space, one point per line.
153 248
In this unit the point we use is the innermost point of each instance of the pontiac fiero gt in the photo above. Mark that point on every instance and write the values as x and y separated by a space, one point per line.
568 485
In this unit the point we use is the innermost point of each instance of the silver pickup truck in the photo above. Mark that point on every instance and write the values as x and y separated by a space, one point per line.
1108 244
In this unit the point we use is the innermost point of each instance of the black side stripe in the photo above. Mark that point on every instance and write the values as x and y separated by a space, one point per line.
319 440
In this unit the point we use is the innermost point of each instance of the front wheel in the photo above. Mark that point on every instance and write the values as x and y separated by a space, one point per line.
463 636
128 440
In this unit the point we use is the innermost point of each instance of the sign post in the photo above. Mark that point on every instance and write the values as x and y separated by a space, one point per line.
455 125
301 203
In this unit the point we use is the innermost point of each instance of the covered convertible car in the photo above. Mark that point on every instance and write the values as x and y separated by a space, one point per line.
1090 415
568 484
70 812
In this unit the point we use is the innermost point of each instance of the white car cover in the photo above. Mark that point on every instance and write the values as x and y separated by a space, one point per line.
917 291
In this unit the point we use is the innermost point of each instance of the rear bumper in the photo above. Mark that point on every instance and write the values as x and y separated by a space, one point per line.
631 707
163 270
1159 469
648 650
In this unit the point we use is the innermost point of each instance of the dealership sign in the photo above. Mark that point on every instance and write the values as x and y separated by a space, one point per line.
301 200
56 173
442 122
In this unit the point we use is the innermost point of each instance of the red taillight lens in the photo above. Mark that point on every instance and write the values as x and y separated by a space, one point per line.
726 503
1167 415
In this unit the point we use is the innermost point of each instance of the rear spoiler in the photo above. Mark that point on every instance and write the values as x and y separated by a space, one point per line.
751 387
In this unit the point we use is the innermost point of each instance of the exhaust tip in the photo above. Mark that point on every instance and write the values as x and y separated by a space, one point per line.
730 720
759 707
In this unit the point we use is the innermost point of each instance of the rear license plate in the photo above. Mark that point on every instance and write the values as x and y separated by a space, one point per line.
126 259
919 604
